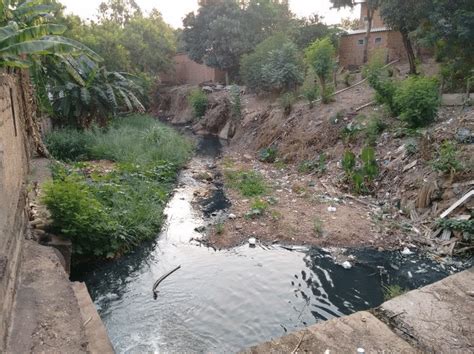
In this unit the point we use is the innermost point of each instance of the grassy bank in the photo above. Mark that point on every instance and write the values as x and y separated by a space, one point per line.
111 186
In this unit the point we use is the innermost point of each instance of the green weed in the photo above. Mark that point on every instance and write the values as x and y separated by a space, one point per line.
248 183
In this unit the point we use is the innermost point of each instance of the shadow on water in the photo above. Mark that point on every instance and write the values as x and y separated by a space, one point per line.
228 300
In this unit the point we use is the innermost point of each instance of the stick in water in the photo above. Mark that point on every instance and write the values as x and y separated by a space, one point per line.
160 279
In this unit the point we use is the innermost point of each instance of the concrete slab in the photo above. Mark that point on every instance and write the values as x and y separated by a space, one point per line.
341 335
46 316
436 318
96 334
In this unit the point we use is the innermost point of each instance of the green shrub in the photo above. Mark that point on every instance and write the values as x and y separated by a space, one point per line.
374 128
275 65
109 213
360 173
78 215
447 161
318 165
268 155
327 94
257 209
235 102
69 144
287 100
283 69
249 183
198 101
310 89
320 57
417 100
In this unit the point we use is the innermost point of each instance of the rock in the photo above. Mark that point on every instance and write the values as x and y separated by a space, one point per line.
406 252
208 89
200 229
252 241
247 157
465 136
232 216
346 265
239 227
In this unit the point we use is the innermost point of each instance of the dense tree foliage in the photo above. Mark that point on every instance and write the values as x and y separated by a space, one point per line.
320 58
405 16
127 39
275 65
450 27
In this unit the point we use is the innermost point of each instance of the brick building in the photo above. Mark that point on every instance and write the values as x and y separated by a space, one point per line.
187 71
351 50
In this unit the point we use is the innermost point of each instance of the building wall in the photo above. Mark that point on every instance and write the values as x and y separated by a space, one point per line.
188 71
13 170
377 21
351 50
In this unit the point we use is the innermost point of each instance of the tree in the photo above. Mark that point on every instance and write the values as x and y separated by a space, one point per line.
80 91
223 30
350 24
450 28
307 29
118 11
275 65
28 33
405 16
320 58
216 35
371 6
143 44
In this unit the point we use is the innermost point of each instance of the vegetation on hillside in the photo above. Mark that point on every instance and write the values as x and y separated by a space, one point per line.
107 208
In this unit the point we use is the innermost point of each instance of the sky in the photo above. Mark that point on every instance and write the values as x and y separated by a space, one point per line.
173 11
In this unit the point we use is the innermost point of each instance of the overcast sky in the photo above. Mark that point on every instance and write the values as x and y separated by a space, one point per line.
174 10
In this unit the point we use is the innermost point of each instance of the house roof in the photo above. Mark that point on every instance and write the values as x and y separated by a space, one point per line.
374 30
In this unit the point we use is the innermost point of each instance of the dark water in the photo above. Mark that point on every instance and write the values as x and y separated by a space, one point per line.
223 301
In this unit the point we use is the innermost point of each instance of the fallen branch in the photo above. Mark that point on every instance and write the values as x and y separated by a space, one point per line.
299 343
365 106
160 279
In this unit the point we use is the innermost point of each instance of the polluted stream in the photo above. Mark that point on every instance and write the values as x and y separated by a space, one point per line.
228 300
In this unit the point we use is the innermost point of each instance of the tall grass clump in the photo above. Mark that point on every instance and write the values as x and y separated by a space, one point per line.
108 211
198 101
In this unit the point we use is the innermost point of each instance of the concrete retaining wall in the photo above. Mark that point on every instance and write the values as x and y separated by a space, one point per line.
14 156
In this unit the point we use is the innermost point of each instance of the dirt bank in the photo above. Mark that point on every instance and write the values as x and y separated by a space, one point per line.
307 204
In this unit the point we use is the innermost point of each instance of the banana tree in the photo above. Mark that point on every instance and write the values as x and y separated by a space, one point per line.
26 30
80 91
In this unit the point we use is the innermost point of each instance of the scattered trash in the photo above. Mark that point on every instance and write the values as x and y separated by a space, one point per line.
332 209
360 351
407 252
232 216
252 241
346 265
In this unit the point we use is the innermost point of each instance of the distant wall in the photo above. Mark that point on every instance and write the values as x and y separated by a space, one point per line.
351 50
187 71
14 156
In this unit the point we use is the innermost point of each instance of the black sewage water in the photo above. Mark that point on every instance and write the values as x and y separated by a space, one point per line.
225 301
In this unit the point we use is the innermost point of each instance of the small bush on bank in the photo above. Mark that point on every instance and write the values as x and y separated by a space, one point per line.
268 155
417 100
198 101
447 159
275 65
287 100
69 144
320 57
361 172
248 183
